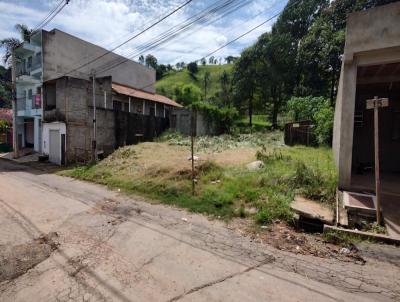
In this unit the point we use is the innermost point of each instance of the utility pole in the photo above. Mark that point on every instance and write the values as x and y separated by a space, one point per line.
94 141
375 104
192 134
14 102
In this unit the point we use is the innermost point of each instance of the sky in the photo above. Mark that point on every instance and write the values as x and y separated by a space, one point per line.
108 23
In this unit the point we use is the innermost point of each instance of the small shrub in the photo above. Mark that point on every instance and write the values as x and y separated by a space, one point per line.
275 206
271 156
263 217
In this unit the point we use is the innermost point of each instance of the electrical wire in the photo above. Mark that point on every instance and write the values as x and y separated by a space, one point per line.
131 38
169 35
226 44
48 16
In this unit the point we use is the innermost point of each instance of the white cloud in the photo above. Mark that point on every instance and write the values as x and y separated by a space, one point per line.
109 22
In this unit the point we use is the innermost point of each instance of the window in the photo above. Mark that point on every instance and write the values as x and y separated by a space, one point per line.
30 94
29 62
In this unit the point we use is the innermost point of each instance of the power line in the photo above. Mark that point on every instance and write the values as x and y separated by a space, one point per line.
133 37
228 43
229 31
171 34
55 14
48 16
237 38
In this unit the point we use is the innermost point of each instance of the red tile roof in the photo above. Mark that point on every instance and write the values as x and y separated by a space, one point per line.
140 94
6 114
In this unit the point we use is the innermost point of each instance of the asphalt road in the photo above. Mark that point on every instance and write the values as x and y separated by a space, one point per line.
115 248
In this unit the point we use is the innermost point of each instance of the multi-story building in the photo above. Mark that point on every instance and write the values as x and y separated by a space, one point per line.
50 55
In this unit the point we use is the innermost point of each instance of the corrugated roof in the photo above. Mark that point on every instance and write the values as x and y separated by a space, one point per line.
140 94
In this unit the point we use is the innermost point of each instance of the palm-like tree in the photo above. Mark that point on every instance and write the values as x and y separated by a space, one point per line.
11 43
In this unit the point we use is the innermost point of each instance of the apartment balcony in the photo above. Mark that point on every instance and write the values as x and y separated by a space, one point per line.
27 48
30 71
29 107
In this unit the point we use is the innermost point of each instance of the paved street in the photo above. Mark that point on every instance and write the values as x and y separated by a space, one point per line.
113 248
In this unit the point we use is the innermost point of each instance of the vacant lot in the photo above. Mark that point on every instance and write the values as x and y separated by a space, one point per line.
225 186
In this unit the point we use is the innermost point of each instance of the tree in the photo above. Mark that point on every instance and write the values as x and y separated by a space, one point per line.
245 81
11 43
5 87
206 82
230 59
192 67
151 61
203 61
226 88
160 71
187 94
211 60
141 59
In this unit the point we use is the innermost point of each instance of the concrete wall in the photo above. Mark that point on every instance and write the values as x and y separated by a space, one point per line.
183 122
63 52
372 37
74 106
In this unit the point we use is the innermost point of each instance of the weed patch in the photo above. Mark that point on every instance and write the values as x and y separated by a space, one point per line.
221 190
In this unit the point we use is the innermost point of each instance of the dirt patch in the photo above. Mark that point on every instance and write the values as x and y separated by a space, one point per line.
286 238
155 159
18 259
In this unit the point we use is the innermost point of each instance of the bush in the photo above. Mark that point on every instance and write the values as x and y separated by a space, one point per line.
187 94
312 184
222 118
324 125
316 109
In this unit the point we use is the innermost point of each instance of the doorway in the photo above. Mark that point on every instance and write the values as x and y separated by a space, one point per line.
55 146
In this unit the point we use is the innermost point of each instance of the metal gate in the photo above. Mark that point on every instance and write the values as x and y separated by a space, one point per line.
55 147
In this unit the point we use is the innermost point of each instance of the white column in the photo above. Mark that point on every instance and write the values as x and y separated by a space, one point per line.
164 110
155 109
129 105
105 99
144 106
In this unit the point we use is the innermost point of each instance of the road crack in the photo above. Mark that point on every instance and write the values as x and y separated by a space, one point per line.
221 280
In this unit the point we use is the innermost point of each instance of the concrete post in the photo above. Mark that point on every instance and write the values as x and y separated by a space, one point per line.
14 103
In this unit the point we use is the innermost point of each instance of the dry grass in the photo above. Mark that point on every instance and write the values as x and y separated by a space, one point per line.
161 159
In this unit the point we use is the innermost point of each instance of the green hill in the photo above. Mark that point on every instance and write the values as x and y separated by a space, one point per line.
171 79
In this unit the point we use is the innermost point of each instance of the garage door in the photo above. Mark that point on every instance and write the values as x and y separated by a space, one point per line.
55 147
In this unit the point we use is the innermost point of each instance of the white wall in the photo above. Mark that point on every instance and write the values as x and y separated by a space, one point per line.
46 127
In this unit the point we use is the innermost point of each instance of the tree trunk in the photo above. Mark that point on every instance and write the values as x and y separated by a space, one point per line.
274 120
251 109
205 90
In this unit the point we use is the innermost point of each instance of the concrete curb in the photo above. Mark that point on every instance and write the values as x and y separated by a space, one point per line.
366 235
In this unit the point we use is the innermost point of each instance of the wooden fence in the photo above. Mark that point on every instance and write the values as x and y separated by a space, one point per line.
300 133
